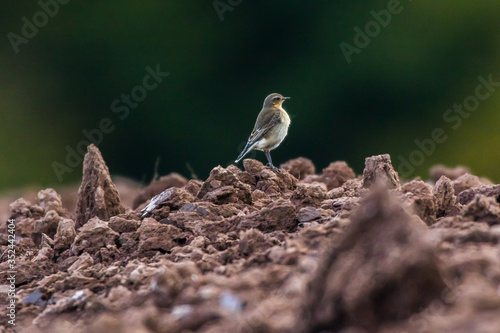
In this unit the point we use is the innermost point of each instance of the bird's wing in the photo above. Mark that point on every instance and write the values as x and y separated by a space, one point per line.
263 125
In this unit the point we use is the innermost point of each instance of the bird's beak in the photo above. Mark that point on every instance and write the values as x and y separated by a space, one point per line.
286 97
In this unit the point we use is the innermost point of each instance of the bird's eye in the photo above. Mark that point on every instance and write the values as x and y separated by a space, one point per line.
277 98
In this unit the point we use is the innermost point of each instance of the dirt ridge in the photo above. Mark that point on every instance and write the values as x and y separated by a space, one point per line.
252 250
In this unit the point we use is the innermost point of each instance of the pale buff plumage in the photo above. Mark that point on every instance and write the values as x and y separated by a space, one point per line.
270 128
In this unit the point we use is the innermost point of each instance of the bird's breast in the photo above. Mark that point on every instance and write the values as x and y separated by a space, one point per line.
276 135
285 118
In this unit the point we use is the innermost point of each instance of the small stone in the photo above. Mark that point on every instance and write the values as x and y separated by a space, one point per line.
158 186
173 199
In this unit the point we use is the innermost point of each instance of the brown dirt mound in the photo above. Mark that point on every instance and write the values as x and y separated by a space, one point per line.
257 251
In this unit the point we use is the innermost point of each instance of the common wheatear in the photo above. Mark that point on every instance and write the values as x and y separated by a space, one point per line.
270 128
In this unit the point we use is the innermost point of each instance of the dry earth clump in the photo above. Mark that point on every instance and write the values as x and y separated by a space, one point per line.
251 250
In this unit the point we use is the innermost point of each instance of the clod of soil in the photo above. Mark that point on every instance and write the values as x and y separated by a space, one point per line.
379 169
468 195
446 200
257 251
334 175
438 171
365 282
97 196
300 167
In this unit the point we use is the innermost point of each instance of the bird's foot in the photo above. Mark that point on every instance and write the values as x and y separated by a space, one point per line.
273 168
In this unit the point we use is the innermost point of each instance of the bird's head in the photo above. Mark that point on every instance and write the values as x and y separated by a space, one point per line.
274 100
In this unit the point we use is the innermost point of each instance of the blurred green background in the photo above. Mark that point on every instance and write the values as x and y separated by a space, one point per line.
393 92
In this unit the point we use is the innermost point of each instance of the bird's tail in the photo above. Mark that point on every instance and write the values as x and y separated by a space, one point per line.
245 151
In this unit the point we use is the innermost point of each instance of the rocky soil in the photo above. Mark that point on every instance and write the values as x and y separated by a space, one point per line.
256 251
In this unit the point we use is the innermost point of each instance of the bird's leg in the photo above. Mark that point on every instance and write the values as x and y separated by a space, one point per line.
270 165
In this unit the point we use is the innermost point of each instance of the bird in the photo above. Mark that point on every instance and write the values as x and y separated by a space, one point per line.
270 128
